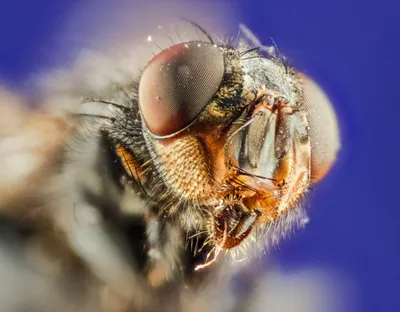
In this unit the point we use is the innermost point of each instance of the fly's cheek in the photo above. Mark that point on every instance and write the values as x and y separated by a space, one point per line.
324 129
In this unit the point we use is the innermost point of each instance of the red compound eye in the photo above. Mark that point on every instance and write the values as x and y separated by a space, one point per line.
324 129
177 85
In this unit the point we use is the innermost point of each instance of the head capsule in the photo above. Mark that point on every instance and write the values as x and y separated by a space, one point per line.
240 135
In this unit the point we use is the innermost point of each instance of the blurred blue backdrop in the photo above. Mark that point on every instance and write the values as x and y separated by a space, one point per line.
352 49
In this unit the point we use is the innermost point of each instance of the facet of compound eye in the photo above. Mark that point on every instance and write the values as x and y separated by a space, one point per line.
324 129
177 85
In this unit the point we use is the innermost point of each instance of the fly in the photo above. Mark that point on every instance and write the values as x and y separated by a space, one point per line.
213 148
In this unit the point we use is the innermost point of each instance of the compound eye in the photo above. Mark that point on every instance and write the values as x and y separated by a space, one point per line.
324 129
177 85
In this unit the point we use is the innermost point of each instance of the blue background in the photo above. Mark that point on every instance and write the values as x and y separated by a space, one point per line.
352 49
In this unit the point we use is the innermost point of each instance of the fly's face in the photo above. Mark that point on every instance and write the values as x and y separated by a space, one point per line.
228 131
